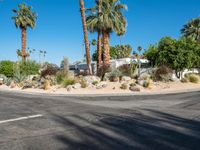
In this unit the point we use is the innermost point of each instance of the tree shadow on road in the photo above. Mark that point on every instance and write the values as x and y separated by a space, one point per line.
144 131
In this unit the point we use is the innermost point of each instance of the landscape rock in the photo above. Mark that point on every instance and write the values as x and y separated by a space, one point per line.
27 85
141 82
13 84
126 78
101 85
69 88
77 86
1 81
134 88
90 79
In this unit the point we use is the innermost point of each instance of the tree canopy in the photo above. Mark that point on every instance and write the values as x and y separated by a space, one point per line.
24 16
177 54
192 29
117 52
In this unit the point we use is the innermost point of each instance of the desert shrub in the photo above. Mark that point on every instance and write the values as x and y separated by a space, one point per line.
60 76
193 78
145 77
163 73
125 70
49 69
18 78
147 83
65 64
124 86
8 81
68 81
128 70
184 80
3 77
133 84
46 85
52 80
95 82
6 68
114 75
30 67
102 70
83 84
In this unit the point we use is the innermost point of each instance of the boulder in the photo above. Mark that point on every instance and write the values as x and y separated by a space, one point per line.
77 86
126 79
69 88
91 79
101 85
134 88
141 82
27 85
13 84
1 81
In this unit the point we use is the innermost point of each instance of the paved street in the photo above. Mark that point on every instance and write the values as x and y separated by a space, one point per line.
162 122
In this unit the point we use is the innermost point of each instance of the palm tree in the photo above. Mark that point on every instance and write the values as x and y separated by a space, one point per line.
192 29
24 18
93 21
87 45
107 17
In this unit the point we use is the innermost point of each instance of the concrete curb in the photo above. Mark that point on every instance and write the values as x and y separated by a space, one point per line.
102 95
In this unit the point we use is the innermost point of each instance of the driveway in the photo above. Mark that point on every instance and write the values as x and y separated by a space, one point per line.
46 122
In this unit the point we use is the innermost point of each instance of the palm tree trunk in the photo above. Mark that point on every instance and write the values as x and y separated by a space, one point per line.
24 44
99 51
106 45
87 45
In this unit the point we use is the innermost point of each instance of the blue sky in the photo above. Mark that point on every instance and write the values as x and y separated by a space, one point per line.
59 29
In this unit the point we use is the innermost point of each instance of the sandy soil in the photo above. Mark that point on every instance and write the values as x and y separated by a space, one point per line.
114 88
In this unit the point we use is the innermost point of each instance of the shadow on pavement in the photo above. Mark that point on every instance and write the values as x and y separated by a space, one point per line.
152 130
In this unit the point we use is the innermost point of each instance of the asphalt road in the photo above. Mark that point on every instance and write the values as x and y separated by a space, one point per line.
162 122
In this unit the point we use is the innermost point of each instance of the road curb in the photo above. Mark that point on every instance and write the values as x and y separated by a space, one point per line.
101 95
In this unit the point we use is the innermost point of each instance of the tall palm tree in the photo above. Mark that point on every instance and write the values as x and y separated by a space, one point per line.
24 18
87 45
192 29
93 21
109 19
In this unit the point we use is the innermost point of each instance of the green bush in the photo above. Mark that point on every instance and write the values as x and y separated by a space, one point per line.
29 68
6 68
68 81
